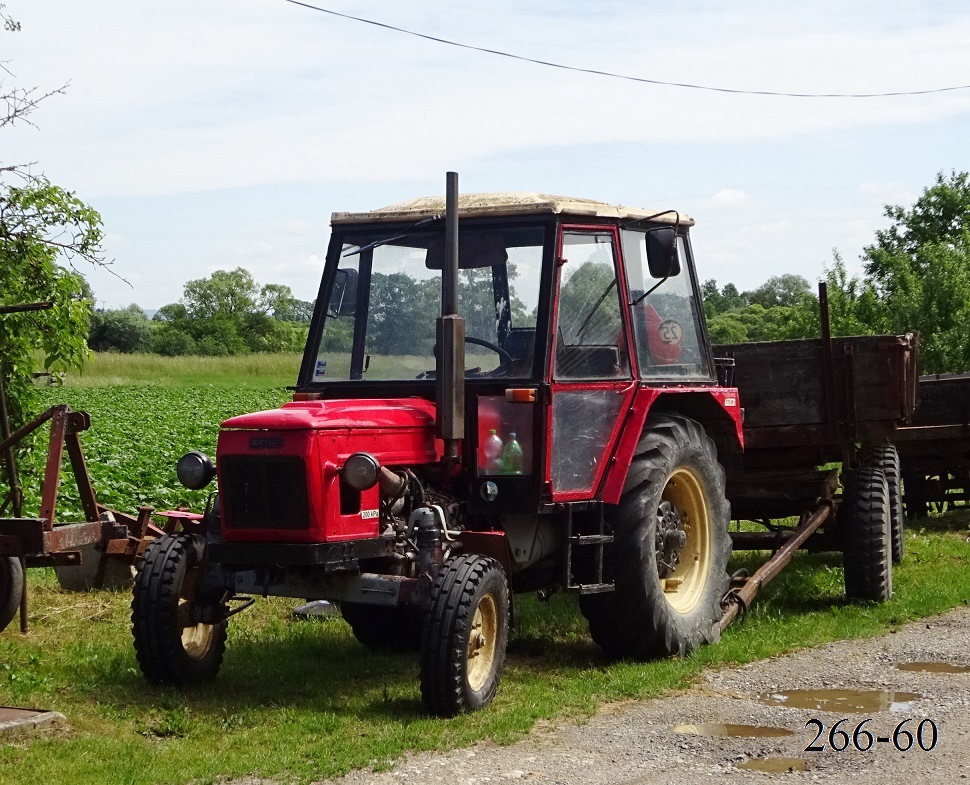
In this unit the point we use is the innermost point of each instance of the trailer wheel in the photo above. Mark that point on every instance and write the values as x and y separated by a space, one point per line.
671 547
465 635
382 628
885 458
864 519
171 645
11 589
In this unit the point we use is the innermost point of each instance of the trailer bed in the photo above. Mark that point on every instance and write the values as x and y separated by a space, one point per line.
808 403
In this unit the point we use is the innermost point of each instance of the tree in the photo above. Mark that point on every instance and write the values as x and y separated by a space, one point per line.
127 331
229 313
43 227
919 273
785 290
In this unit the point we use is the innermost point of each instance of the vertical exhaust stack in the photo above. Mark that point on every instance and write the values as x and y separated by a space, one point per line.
450 332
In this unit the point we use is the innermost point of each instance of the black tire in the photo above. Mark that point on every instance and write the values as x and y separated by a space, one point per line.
661 606
382 628
171 648
465 635
864 520
885 458
11 589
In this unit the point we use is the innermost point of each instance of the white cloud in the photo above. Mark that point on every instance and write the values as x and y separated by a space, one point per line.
729 199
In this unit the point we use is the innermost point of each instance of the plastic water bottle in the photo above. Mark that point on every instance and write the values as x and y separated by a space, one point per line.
512 458
493 452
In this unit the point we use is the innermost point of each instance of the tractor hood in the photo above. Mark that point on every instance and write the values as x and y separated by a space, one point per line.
279 470
340 415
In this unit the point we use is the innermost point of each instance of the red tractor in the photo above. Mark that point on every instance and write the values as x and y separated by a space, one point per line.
565 431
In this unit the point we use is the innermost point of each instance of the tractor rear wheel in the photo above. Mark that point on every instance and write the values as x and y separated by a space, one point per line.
382 628
671 547
173 646
864 520
465 634
885 458
11 589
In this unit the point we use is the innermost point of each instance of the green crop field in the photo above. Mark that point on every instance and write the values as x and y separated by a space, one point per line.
301 700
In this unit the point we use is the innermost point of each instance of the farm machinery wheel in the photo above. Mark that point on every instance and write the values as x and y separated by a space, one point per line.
384 629
864 519
11 588
671 547
172 644
465 635
885 458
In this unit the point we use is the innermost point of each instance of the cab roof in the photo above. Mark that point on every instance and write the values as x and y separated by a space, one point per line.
509 203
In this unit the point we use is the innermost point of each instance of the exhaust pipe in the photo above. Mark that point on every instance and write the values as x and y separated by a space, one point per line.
450 333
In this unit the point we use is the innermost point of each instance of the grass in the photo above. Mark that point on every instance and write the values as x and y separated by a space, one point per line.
301 700
246 370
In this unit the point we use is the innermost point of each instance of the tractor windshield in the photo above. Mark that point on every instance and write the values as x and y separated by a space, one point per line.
386 296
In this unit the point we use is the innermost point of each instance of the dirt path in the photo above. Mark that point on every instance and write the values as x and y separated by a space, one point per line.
631 743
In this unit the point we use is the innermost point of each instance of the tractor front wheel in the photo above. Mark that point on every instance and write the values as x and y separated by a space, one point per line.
172 644
671 547
11 589
465 634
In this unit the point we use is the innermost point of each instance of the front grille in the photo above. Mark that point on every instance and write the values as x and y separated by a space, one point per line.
264 493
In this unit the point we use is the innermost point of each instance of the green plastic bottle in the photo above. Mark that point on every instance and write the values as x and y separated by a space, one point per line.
513 459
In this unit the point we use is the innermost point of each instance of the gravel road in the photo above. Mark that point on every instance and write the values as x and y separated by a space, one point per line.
636 742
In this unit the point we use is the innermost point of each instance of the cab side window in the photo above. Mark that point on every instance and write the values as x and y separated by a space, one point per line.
666 320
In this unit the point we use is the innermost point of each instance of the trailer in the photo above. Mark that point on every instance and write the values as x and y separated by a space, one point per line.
935 448
820 418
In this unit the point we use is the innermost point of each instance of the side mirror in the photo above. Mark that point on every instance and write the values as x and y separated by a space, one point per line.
343 295
663 260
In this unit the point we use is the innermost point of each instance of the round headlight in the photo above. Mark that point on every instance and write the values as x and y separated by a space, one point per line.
195 470
361 471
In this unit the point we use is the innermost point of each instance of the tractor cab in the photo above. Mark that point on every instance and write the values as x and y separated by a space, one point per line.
570 306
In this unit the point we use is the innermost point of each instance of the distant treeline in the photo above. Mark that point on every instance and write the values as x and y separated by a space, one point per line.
224 314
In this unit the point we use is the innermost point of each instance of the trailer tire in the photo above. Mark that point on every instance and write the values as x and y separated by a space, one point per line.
11 589
382 628
169 647
864 520
465 636
654 610
885 458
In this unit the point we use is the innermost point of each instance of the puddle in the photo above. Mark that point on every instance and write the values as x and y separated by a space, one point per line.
852 701
933 667
775 765
725 731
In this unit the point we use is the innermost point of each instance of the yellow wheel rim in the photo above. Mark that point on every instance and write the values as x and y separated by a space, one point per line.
196 637
684 587
481 643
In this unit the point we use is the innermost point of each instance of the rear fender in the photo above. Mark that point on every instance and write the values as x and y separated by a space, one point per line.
717 409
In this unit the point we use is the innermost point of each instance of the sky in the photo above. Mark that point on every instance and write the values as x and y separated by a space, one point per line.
214 134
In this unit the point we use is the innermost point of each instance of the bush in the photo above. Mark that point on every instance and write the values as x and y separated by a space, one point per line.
124 331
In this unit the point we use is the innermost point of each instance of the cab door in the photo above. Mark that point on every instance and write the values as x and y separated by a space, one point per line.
592 383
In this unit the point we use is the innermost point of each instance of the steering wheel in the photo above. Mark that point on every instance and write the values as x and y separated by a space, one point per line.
506 357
